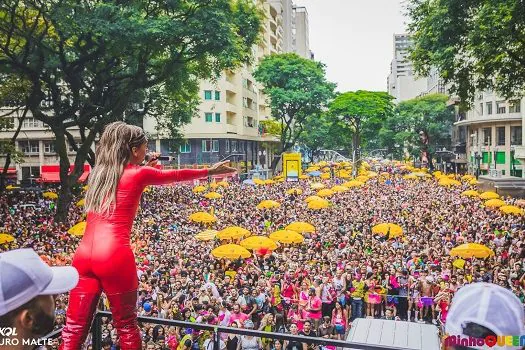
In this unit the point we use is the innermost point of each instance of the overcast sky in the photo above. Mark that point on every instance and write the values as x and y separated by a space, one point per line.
354 39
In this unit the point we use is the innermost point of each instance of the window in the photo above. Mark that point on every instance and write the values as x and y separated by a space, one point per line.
500 135
49 147
210 146
486 136
31 123
234 146
501 107
217 95
217 117
207 94
208 117
29 147
489 108
515 136
241 146
185 148
227 144
481 109
206 146
500 157
515 106
70 148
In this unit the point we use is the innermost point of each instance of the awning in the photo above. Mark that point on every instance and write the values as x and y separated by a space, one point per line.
51 173
54 177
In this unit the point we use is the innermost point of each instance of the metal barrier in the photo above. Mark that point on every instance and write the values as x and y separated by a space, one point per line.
96 332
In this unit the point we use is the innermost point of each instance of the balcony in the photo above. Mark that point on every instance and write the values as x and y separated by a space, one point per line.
231 129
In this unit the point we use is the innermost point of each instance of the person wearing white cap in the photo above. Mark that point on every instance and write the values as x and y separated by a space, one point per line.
27 306
483 314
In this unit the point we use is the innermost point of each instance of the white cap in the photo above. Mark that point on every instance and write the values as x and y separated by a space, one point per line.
24 276
488 305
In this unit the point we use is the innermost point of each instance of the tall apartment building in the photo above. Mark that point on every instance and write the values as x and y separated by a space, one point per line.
227 125
402 83
493 134
300 33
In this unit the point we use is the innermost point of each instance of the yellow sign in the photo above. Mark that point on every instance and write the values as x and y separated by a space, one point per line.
292 166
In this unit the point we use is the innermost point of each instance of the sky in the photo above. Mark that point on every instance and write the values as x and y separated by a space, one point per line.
354 38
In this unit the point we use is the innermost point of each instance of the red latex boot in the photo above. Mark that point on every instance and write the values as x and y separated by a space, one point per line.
124 309
79 316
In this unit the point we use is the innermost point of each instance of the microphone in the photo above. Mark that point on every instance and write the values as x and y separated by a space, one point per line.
161 158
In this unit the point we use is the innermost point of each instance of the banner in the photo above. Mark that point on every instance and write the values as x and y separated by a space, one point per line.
292 166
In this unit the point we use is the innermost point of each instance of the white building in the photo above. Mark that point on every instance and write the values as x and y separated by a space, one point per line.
494 135
402 83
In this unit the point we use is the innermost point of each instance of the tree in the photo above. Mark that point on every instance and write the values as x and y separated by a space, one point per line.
13 94
297 89
429 114
475 44
363 112
100 61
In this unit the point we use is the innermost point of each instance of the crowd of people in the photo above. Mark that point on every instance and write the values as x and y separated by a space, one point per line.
317 288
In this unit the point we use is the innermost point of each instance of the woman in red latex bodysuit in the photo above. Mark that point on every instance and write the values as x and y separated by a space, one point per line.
104 258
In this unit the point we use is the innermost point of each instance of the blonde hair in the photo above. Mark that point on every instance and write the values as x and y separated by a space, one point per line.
113 153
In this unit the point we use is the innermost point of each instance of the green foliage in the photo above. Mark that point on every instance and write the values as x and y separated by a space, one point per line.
271 127
475 44
362 113
95 61
323 132
428 113
297 89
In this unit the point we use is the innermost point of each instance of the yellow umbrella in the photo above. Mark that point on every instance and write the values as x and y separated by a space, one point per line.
449 182
6 238
385 228
362 178
317 186
353 183
258 242
339 189
233 232
11 187
325 193
471 250
202 217
268 204
312 168
223 184
78 229
459 263
50 195
214 185
303 177
437 173
269 182
344 175
313 198
287 236
467 178
199 189
146 190
489 195
258 182
325 176
322 164
300 227
207 235
81 203
473 182
297 191
385 174
494 203
231 251
512 210
213 195
410 177
372 174
85 188
318 204
470 193
326 169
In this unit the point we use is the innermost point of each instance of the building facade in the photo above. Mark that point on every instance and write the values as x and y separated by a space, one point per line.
492 131
402 84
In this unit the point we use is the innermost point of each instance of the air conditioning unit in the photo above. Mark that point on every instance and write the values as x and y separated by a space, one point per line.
495 173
